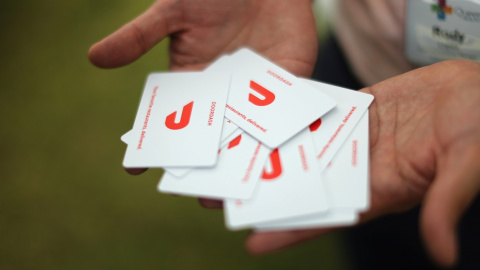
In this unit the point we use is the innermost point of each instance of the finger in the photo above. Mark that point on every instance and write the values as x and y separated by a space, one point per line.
135 171
136 37
210 204
259 243
456 185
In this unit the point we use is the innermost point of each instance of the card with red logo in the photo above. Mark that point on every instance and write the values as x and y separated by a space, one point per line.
229 131
179 120
346 181
238 170
330 131
290 186
268 102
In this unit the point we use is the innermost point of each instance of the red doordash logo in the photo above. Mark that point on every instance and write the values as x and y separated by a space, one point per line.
269 97
276 167
235 142
184 119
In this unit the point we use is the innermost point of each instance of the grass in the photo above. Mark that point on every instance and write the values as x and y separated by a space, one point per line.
65 201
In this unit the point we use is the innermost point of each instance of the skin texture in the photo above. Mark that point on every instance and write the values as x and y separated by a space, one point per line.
424 132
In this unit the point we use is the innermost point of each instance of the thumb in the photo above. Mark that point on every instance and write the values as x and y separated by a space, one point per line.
136 37
453 190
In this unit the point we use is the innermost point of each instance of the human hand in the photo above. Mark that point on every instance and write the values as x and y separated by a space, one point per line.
424 148
200 31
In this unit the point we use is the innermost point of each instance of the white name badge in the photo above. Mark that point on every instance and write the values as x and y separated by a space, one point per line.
438 30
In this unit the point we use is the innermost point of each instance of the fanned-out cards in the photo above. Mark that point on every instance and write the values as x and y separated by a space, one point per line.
281 152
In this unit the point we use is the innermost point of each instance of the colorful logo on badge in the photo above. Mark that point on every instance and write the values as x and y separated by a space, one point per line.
442 9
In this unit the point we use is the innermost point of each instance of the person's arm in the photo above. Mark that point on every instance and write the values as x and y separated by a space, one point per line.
424 149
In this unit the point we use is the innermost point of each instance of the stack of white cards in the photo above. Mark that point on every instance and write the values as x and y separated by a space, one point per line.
281 152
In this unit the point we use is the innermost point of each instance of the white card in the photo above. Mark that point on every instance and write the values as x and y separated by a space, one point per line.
220 65
331 131
291 186
229 131
238 170
331 218
269 103
179 120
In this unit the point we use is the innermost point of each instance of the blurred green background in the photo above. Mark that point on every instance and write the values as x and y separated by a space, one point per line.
65 201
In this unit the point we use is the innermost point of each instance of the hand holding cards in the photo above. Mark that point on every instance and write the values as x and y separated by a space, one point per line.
248 132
